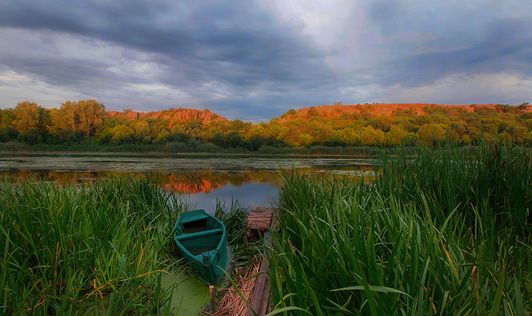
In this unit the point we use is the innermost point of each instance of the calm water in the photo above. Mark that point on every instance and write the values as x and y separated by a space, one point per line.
201 180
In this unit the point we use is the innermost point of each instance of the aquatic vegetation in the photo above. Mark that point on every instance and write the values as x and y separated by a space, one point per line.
443 232
100 248
243 251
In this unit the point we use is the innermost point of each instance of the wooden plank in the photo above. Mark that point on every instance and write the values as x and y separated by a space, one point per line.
261 290
265 302
258 290
260 218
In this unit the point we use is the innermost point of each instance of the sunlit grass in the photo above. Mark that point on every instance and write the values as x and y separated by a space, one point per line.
443 232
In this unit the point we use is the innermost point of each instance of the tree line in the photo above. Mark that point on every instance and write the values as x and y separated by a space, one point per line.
87 122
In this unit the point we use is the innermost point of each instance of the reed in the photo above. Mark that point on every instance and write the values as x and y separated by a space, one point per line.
90 249
244 252
440 232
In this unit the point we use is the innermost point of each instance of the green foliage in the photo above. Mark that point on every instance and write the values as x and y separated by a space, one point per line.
121 134
7 134
94 249
85 121
493 179
431 134
243 252
442 232
32 136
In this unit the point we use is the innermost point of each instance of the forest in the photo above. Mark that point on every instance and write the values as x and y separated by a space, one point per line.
86 122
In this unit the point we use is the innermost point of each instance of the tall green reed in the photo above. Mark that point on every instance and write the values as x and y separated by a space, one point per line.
243 251
493 179
440 232
84 249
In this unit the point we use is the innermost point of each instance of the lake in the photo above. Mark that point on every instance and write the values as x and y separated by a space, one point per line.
200 180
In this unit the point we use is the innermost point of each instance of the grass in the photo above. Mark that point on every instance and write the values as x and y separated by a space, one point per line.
243 252
440 232
101 248
91 249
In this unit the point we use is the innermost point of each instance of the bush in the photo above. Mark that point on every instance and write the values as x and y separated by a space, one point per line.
209 148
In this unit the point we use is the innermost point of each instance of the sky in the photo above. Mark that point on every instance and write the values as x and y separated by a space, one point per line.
254 60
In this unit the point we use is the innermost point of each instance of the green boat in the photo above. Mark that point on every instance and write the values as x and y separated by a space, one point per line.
202 240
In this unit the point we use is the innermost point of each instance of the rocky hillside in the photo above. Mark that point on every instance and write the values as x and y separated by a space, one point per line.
356 111
173 116
329 125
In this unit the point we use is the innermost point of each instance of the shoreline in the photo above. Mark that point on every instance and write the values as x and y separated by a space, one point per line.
365 152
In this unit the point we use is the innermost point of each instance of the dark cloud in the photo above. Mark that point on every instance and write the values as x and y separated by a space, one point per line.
210 34
60 71
505 48
236 44
245 59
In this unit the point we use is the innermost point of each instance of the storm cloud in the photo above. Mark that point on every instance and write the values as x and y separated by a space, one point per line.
256 59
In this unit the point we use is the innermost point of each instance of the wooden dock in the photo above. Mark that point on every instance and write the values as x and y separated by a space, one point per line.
259 300
260 220
257 286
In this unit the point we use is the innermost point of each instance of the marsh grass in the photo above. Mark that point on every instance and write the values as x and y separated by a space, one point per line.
243 251
441 232
89 249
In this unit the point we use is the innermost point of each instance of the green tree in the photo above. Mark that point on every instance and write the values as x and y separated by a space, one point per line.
7 116
370 136
142 131
122 134
430 134
7 134
396 136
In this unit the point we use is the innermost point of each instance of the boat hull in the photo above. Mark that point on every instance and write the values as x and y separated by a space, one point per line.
202 240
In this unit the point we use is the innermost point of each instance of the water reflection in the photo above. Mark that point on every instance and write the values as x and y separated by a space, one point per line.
205 181
198 189
247 195
201 182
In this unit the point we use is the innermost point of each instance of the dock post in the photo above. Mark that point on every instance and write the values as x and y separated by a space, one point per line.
213 298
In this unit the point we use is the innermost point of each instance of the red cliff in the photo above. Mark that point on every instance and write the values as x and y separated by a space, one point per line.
379 109
172 116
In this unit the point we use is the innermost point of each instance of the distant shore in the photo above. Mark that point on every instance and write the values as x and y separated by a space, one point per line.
173 149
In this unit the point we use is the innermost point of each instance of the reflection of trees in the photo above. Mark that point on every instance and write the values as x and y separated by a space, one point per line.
184 185
206 181
185 181
178 181
61 177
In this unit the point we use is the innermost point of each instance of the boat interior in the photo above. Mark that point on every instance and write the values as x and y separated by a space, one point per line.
202 241
195 226
200 235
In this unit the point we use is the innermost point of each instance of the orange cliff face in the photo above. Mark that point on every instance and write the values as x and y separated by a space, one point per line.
172 115
180 115
381 109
